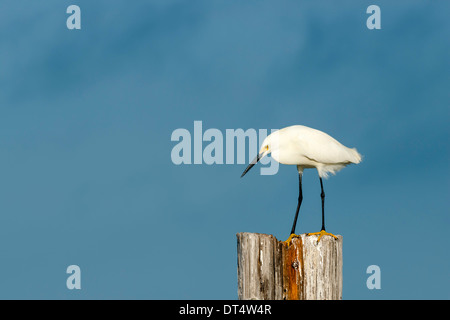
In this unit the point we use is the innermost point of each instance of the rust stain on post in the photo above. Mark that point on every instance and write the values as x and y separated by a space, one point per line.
293 270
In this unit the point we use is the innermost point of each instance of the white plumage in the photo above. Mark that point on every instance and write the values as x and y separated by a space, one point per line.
309 148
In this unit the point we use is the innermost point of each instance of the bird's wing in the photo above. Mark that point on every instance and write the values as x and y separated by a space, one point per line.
322 148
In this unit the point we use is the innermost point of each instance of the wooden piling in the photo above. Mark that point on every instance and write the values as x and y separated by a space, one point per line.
268 269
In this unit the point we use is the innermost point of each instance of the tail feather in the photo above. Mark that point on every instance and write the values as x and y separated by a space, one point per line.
325 169
356 156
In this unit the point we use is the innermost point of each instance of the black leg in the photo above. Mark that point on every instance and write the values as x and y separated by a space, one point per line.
322 195
300 198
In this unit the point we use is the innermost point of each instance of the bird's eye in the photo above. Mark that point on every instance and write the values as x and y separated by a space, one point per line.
267 147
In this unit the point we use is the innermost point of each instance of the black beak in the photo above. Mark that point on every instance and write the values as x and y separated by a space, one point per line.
255 161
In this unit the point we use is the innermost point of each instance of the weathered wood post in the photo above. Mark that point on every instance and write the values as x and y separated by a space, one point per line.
268 269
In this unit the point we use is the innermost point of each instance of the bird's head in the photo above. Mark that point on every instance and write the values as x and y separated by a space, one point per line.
265 150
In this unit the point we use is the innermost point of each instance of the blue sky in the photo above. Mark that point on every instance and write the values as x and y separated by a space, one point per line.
86 118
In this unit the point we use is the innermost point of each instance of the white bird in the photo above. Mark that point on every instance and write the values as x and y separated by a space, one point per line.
307 148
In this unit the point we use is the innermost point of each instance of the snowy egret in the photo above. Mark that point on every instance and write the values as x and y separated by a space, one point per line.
307 148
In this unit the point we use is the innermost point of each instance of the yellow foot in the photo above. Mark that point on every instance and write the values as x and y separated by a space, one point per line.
292 236
320 234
